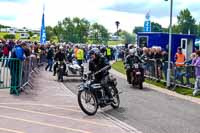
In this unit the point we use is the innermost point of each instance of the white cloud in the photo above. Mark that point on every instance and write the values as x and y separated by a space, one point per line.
29 13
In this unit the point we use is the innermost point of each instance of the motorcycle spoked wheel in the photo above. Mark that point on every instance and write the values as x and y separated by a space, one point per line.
115 104
88 98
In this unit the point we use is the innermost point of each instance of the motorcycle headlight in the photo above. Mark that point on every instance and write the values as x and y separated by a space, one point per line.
136 66
88 83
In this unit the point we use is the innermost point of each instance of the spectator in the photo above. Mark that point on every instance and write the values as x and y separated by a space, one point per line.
1 48
180 63
5 54
158 65
144 58
50 55
116 53
165 63
151 62
189 68
196 63
15 68
27 50
108 53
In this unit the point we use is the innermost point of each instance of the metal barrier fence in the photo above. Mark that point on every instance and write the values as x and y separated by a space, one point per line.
16 75
183 76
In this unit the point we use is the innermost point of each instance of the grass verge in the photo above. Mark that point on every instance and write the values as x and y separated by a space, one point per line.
119 66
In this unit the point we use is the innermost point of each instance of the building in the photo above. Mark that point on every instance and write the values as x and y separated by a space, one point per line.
156 39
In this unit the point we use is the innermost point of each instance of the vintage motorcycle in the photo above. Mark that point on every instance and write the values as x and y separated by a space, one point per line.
60 71
74 68
137 77
92 95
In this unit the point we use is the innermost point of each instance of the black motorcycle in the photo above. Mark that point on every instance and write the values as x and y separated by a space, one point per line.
92 95
137 77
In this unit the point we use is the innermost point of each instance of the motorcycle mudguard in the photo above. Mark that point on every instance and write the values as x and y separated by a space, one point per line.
82 88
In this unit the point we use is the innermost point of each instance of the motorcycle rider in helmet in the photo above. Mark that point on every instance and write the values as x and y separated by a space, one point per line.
97 62
60 56
131 59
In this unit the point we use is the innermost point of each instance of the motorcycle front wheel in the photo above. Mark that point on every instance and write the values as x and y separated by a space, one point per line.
87 102
60 75
116 100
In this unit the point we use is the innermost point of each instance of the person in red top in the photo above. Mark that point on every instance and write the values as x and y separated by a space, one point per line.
6 51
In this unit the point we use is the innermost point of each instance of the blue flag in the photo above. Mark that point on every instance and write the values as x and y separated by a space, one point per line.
43 32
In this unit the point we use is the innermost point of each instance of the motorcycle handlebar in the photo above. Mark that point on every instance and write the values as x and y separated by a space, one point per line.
103 69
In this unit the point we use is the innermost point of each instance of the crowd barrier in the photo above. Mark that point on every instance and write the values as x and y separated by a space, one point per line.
16 75
183 76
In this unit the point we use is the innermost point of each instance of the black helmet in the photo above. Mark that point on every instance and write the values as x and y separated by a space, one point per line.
95 51
103 49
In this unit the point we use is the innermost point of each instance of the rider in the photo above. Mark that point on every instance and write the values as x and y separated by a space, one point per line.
60 56
97 62
131 59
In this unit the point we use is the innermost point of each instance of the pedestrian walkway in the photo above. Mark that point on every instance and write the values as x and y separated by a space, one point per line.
49 108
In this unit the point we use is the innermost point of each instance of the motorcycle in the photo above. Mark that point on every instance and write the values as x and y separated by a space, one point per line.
74 68
60 71
92 95
137 77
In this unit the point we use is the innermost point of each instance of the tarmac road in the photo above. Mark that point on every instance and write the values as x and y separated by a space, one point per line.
150 111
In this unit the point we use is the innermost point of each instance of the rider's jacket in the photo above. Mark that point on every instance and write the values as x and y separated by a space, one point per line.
132 59
60 56
96 65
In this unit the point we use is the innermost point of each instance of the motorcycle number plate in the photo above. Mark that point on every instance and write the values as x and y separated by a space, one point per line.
136 65
138 73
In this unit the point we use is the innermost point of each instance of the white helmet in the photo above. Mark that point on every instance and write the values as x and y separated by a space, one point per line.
130 45
61 47
132 51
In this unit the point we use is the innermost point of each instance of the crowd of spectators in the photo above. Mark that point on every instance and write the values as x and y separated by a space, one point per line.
155 59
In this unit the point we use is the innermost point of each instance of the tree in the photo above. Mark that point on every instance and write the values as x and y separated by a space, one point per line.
49 32
77 30
4 26
156 27
81 29
127 37
198 30
30 33
9 36
138 29
73 30
117 23
176 29
186 22
165 29
98 34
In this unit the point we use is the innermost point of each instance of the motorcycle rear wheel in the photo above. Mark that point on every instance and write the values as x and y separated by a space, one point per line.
115 104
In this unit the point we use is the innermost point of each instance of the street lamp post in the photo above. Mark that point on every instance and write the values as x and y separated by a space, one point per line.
170 44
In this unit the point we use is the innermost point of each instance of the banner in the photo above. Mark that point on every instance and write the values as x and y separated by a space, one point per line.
43 32
147 23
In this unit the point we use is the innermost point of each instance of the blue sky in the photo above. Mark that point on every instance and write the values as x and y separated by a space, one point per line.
130 13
